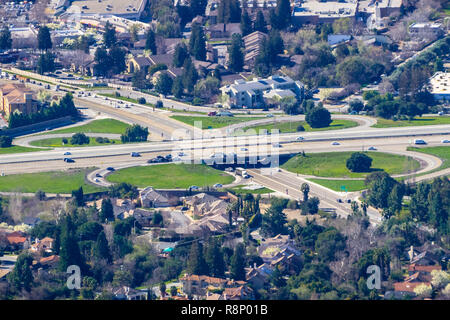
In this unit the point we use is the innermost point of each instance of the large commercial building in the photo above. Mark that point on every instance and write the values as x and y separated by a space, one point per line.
130 9
251 94
440 86
316 12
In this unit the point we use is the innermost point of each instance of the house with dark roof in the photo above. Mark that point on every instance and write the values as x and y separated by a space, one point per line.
150 198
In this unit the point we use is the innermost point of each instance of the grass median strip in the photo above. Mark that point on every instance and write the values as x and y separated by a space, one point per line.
341 185
50 182
419 121
287 127
19 149
57 143
171 176
333 164
213 122
95 126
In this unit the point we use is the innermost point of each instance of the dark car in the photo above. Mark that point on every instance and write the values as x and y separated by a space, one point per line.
339 200
349 201
154 160
68 160
168 157
98 175
110 169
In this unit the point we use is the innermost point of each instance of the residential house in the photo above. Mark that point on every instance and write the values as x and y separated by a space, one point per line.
17 241
150 198
205 286
143 217
336 39
251 94
17 97
46 262
43 245
127 293
258 276
279 251
222 30
135 64
424 29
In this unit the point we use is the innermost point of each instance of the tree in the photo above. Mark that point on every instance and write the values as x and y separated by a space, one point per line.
196 263
305 190
135 133
246 23
173 291
44 38
328 243
236 53
318 117
139 80
101 248
214 259
150 41
117 59
109 35
359 162
177 87
281 16
197 7
237 266
440 278
5 141
438 213
106 211
78 196
423 290
190 75
79 138
197 42
379 189
21 276
5 38
70 252
311 206
102 61
180 55
273 221
164 84
46 63
260 23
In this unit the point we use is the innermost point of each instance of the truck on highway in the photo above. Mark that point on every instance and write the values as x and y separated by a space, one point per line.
242 172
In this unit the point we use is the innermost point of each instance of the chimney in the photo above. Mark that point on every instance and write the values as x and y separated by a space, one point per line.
411 253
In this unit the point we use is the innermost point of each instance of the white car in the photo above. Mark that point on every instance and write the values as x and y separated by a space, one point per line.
194 188
269 115
335 143
244 149
445 141
299 139
217 185
372 149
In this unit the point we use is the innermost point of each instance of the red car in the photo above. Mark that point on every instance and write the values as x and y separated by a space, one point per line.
212 114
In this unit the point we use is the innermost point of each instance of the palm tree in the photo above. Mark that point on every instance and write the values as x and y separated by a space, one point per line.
305 189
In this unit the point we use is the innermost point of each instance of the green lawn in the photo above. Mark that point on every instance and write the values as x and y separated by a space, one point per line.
57 143
96 126
51 182
286 127
420 121
18 149
239 190
169 176
213 122
332 164
441 152
336 185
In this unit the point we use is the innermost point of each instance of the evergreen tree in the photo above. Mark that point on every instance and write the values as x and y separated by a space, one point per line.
117 59
106 211
78 196
102 61
236 53
5 38
196 263
197 42
46 63
21 276
177 87
190 75
44 38
164 84
150 41
246 23
101 248
237 267
70 252
197 7
214 259
305 190
260 23
180 55
438 213
109 36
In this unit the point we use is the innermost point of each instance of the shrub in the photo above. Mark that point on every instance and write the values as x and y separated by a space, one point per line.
5 141
159 104
142 100
359 162
300 128
318 117
79 138
65 141
99 140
